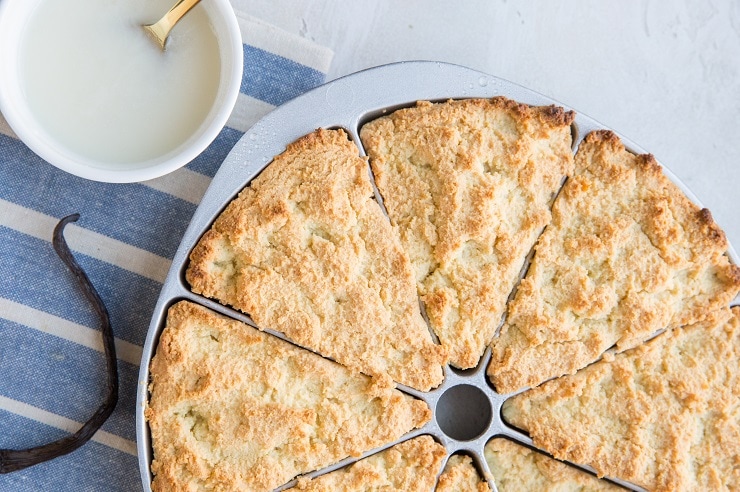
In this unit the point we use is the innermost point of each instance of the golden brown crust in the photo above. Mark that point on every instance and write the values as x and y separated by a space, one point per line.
460 475
517 468
409 466
232 408
305 250
626 254
665 415
467 185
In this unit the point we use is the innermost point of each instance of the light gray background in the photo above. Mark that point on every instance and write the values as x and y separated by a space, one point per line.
664 74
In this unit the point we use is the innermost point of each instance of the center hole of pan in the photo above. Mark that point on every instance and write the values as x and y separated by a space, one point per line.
464 412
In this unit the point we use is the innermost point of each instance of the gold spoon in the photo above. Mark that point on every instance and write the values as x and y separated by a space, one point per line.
161 29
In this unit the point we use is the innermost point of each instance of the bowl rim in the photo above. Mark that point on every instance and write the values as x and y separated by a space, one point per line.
31 133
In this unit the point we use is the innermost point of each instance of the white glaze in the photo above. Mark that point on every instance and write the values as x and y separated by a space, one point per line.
102 89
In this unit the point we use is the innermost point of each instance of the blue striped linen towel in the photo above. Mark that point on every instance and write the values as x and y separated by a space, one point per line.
51 361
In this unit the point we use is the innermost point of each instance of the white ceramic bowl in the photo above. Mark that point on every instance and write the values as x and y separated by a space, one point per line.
14 15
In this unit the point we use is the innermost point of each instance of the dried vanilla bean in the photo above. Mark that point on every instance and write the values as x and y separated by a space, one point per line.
18 459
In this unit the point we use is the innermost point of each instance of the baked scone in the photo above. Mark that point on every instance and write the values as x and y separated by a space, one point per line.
665 415
409 466
460 475
517 468
626 254
306 250
233 408
468 186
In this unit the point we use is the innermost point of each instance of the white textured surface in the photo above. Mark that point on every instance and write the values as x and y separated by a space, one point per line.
665 74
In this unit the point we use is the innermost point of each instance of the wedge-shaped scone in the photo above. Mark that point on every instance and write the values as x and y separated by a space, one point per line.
233 408
468 186
517 468
665 415
409 466
626 254
305 250
460 475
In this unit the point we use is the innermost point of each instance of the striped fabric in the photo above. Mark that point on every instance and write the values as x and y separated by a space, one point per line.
51 361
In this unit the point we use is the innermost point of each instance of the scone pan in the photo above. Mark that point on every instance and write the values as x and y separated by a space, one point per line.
348 103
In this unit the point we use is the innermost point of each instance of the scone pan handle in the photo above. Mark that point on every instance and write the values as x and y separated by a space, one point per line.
345 103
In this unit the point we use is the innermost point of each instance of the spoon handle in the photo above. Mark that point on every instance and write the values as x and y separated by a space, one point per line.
177 11
161 29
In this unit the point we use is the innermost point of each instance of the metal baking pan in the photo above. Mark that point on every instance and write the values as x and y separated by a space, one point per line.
348 103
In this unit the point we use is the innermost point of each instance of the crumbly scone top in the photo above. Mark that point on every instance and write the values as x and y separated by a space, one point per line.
626 254
232 408
664 415
409 466
460 475
307 251
468 185
517 468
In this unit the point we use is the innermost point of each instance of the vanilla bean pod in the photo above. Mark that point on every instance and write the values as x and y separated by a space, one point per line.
18 459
